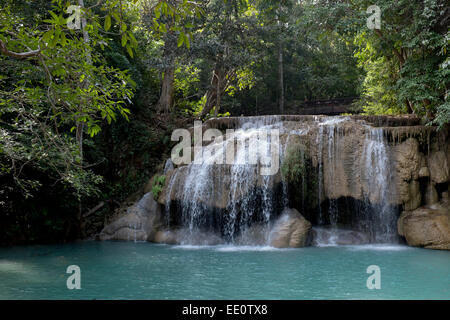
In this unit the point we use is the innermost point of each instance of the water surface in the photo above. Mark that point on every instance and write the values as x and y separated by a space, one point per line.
128 270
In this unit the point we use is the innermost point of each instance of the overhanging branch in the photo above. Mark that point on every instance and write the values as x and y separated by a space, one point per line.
18 55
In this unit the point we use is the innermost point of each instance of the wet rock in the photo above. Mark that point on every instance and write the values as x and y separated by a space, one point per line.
424 172
166 236
168 166
255 235
427 226
138 223
185 236
291 230
343 169
413 196
439 167
329 236
431 195
408 159
408 162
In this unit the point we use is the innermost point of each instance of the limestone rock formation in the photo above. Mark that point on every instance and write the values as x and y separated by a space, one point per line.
341 147
427 226
139 223
374 164
439 167
291 230
431 195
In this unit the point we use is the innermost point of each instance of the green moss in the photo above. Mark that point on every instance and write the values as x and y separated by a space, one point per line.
301 175
293 167
158 184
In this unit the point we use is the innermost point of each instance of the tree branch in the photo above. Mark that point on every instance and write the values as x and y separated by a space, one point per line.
18 55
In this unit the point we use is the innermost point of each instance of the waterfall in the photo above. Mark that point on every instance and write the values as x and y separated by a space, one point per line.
234 199
328 129
378 171
251 196
320 136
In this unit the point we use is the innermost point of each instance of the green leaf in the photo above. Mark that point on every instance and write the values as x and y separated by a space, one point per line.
107 22
186 41
115 15
132 39
124 39
130 51
47 36
180 40
55 17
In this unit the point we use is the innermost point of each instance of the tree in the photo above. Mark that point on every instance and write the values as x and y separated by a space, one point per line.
170 20
229 39
411 44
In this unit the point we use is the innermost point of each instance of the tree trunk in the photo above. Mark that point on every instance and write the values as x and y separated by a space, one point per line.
409 107
167 90
165 102
217 108
281 77
214 91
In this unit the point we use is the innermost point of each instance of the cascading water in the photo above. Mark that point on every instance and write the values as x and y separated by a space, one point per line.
231 198
251 197
329 131
331 235
378 170
376 217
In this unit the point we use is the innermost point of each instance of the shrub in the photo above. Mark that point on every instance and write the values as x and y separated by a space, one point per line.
158 184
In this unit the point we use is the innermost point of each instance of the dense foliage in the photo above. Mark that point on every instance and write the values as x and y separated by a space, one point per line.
90 90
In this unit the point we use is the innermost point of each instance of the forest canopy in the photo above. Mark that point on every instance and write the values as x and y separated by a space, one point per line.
90 90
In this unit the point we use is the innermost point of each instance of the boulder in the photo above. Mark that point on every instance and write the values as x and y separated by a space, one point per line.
291 230
427 226
439 168
139 223
165 236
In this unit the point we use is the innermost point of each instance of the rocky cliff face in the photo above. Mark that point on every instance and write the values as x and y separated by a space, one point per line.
354 172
